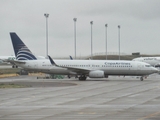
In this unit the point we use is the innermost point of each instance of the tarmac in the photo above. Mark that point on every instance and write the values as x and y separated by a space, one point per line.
113 98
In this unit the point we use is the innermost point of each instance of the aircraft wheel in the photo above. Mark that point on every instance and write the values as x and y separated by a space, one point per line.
69 76
82 78
141 78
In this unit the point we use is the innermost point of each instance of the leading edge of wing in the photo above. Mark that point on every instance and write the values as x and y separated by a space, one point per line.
69 68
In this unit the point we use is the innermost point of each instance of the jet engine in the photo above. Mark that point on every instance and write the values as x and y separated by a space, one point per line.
96 74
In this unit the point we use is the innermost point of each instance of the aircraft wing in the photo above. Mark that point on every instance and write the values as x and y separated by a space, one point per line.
78 70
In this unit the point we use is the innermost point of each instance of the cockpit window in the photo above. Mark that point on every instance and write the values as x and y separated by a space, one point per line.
148 66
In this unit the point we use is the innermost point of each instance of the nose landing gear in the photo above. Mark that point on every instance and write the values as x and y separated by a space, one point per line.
141 78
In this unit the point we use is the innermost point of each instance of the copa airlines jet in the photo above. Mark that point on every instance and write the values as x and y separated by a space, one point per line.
81 68
154 61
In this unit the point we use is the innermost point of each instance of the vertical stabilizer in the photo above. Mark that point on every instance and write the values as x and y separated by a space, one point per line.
20 49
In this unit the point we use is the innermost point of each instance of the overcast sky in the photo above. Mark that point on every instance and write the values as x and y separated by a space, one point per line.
139 21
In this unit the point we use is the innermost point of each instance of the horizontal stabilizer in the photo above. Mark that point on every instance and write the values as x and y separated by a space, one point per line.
16 61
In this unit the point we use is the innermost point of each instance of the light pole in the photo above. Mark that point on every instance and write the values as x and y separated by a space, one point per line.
91 39
75 19
46 15
106 40
119 39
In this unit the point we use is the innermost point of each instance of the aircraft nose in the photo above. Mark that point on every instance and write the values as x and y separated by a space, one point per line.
155 70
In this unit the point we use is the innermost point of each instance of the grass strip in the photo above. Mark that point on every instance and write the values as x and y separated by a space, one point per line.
12 85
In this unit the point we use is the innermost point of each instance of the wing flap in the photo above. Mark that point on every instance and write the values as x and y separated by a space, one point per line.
77 70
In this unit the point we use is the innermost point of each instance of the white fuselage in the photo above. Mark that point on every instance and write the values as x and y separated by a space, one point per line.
78 67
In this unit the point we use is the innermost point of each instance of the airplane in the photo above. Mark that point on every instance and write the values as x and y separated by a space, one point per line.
154 61
81 68
6 60
7 57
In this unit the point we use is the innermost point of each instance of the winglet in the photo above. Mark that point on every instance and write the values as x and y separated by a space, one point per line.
71 57
51 60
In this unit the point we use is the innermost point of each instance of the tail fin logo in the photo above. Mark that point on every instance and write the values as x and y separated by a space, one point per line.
25 54
21 50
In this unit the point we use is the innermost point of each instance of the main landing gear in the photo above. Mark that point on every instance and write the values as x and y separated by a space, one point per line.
14 66
82 77
141 78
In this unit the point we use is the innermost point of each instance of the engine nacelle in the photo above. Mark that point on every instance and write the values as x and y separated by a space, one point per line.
96 74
